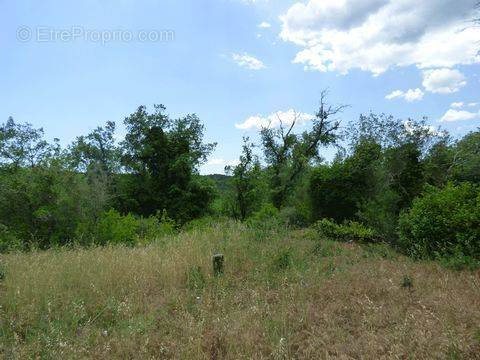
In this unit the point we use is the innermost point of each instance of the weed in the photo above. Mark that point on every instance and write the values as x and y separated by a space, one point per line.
195 279
283 260
383 251
326 248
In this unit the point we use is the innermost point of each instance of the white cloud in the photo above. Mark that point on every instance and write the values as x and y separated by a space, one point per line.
232 162
374 35
273 120
222 162
217 166
414 95
457 105
443 81
218 161
394 94
264 25
410 95
472 104
459 115
248 62
253 2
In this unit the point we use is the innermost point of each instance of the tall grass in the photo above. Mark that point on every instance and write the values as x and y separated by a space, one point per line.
284 294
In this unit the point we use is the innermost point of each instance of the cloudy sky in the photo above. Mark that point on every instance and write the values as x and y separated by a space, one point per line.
69 66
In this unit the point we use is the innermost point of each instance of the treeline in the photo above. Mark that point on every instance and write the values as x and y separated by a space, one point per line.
395 181
99 190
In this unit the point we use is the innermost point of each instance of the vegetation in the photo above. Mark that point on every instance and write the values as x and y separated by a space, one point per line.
106 244
247 192
443 223
54 197
99 190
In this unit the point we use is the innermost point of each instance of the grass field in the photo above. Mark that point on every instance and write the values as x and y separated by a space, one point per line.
285 294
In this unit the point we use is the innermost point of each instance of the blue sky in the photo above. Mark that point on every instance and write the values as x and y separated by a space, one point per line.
236 60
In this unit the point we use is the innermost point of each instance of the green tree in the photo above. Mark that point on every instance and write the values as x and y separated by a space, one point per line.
42 200
161 157
337 190
466 158
400 171
23 145
47 204
246 189
438 163
98 157
96 151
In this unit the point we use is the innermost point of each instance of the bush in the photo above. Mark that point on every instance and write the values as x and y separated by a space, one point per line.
348 231
154 227
282 261
293 216
114 228
267 217
8 240
459 261
202 223
443 223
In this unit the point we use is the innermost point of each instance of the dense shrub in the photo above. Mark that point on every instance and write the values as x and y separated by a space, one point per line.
8 240
267 217
114 228
443 223
348 231
203 223
294 216
154 227
48 206
337 190
460 261
332 193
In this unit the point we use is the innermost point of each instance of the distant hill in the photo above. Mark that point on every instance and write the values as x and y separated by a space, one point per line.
221 181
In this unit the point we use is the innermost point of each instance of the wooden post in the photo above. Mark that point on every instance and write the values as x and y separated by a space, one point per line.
218 262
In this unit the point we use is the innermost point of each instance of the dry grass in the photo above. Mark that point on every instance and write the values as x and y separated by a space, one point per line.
284 295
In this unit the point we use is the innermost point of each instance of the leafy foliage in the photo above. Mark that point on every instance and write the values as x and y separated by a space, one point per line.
114 228
349 231
444 222
336 191
22 145
267 217
96 151
101 191
50 197
162 158
247 192
45 205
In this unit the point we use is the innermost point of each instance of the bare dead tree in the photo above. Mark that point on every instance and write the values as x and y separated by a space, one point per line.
289 154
